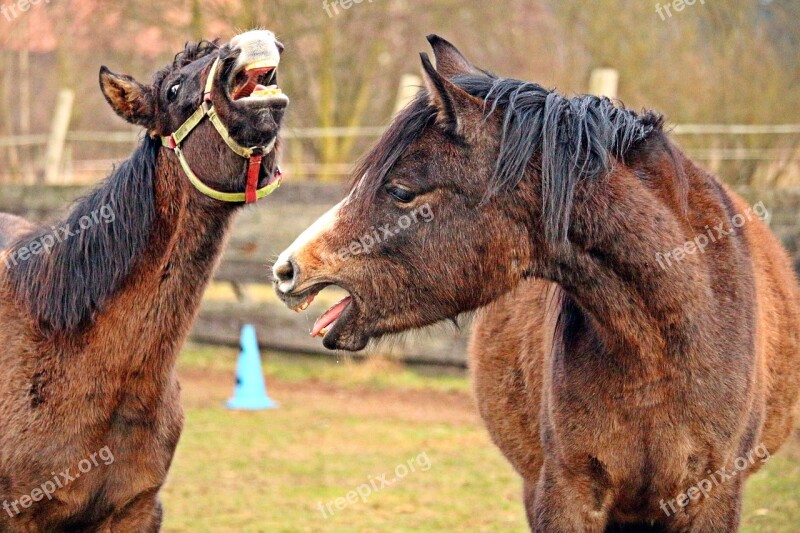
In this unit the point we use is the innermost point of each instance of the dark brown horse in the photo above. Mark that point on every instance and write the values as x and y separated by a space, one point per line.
638 339
95 308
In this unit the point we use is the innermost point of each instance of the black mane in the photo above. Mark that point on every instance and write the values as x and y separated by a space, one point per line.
194 51
577 138
64 288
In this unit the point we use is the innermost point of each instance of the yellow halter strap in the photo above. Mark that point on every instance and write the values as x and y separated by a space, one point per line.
253 155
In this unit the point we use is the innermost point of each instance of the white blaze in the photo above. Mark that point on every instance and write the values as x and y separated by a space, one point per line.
323 224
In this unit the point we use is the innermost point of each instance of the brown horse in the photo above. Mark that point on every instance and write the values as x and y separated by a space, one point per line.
638 336
95 309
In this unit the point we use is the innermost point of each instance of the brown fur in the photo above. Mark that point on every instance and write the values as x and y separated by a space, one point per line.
101 371
610 383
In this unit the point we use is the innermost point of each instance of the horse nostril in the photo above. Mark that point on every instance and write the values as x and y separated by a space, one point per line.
285 272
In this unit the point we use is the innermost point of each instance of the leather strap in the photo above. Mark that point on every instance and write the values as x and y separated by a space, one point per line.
254 155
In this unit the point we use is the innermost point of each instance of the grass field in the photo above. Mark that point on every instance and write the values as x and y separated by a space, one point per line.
344 426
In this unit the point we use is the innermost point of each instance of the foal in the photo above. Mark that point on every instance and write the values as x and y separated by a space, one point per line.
95 309
639 325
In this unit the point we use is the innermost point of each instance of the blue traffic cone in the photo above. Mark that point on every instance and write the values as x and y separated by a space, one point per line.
251 391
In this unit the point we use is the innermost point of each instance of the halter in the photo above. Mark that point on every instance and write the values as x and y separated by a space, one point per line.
254 155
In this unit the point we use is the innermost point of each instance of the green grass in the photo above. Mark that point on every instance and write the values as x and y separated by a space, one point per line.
772 502
343 423
339 370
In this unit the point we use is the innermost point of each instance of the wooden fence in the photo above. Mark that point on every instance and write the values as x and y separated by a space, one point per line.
756 155
262 232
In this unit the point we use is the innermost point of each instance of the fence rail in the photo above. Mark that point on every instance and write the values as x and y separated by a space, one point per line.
89 154
736 129
132 136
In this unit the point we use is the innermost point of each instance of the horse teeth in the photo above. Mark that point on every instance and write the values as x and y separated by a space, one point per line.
302 307
323 332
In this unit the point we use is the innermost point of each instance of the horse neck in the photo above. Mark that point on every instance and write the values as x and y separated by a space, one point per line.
122 291
157 303
609 271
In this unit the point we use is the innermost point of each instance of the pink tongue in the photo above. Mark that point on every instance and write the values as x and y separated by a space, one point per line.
329 317
252 82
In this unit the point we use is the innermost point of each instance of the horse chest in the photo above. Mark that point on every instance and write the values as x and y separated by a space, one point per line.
139 442
147 416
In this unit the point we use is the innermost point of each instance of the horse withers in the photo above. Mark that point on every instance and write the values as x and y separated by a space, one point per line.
638 328
95 308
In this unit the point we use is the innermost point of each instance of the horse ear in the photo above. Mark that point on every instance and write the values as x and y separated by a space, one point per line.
128 98
459 111
449 61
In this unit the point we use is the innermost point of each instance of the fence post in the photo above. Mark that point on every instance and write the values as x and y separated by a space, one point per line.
58 135
604 82
409 87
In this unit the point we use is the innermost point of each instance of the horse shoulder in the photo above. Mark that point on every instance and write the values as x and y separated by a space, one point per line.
506 354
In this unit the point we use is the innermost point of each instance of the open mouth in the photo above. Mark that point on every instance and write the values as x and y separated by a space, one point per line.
326 322
256 81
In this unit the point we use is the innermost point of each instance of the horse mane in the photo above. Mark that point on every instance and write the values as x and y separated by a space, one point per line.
194 51
577 138
63 289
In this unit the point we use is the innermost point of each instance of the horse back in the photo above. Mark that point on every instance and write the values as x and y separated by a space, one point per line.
12 227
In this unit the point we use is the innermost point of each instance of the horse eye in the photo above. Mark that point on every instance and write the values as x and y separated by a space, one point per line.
173 92
401 194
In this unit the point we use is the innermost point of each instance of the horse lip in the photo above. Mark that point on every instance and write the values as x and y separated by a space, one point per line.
332 339
357 339
296 298
277 103
267 177
345 316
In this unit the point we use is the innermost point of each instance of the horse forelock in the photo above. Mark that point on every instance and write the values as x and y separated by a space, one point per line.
194 51
191 52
